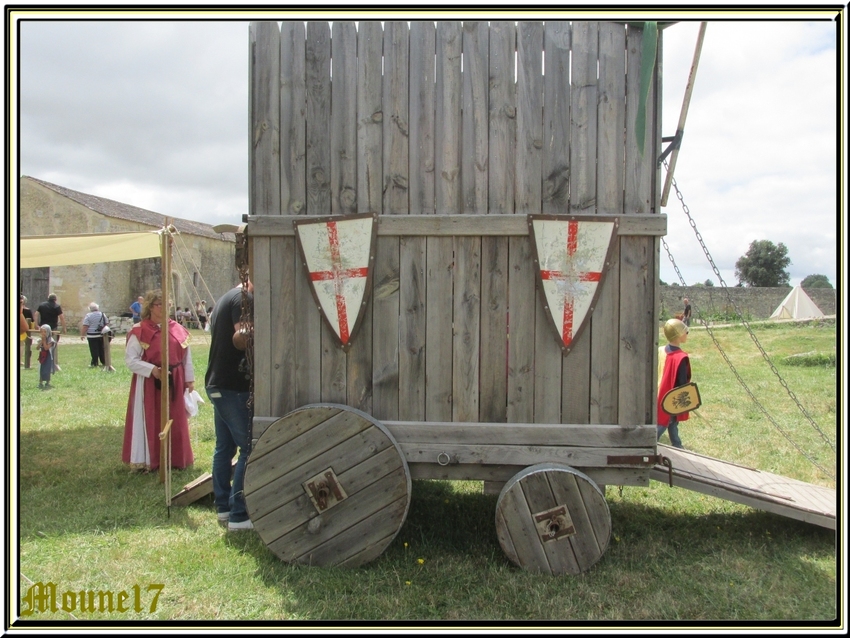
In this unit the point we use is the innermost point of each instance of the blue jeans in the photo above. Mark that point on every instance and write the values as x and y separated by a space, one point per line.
232 421
673 431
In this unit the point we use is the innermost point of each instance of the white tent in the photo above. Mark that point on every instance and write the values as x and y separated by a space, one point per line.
797 305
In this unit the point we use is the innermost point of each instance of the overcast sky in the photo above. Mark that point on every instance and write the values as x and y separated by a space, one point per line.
155 114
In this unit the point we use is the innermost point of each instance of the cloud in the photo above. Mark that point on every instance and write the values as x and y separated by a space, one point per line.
155 114
759 154
153 110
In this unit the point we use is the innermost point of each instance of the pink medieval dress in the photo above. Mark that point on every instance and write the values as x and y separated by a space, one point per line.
142 424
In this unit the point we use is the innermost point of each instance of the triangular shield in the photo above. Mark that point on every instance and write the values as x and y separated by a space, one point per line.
572 254
338 253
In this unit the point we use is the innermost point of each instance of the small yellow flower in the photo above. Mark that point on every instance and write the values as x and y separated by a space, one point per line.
617 538
406 543
407 582
421 561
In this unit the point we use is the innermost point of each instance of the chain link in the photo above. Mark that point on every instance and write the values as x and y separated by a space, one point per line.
246 320
749 330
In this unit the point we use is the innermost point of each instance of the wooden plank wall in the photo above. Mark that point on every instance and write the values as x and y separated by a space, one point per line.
453 118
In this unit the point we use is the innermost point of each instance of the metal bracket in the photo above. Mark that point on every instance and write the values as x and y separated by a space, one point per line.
669 465
675 143
554 524
643 460
324 490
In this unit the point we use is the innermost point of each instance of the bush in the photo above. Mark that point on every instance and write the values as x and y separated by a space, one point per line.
811 359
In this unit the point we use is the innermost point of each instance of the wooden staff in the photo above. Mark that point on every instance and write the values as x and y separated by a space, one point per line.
164 396
680 130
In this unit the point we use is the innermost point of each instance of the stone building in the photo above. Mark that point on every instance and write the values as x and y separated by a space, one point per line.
202 260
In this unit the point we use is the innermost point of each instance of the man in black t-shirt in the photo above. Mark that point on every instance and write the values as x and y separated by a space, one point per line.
228 388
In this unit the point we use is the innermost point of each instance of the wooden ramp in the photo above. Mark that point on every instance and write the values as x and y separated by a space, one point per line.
757 489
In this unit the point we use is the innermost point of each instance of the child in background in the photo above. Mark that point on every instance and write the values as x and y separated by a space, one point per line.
46 346
677 372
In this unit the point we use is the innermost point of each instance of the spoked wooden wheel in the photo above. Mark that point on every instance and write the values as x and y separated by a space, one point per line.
553 519
327 485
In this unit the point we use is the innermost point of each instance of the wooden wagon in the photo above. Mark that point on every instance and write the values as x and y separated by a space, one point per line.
450 136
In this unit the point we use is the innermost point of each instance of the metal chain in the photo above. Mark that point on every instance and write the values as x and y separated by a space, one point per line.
752 335
246 318
744 321
737 375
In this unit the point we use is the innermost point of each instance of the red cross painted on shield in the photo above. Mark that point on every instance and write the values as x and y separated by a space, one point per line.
568 276
338 275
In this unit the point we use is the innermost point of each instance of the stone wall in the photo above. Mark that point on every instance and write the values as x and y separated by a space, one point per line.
115 285
754 303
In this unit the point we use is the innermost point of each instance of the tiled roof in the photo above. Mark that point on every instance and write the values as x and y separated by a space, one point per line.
118 210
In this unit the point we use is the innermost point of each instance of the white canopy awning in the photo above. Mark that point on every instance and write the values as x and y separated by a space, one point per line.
71 250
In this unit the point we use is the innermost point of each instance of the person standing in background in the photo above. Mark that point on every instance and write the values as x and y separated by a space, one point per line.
27 324
50 313
136 309
201 309
91 328
46 348
686 316
27 313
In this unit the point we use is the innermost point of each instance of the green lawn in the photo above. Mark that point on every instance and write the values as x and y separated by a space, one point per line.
87 523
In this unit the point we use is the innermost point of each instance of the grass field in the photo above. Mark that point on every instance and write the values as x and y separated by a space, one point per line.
87 523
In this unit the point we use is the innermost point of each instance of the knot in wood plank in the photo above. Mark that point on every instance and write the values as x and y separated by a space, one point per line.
401 123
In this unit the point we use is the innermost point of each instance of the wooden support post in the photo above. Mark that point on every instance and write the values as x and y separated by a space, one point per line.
107 352
164 396
680 130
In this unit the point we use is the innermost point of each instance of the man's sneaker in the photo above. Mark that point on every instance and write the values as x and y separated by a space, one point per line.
223 517
234 527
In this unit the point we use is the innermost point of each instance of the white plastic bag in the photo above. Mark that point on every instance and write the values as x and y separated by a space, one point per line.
192 400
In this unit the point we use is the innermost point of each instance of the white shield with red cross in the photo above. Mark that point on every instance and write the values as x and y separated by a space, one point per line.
338 253
572 255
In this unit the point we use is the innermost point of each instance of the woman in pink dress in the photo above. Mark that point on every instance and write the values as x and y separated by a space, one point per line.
143 356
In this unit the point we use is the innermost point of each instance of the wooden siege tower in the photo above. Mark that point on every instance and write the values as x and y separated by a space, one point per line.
451 134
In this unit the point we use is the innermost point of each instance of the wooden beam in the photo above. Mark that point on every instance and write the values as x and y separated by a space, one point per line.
680 129
164 459
443 225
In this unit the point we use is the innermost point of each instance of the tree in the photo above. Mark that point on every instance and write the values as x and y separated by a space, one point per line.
816 281
709 283
764 265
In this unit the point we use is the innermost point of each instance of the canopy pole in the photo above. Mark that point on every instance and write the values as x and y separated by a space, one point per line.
165 444
680 129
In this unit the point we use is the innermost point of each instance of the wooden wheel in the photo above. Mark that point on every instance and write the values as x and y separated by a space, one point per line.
553 519
327 485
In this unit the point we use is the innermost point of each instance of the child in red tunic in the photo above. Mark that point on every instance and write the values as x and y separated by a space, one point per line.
677 372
